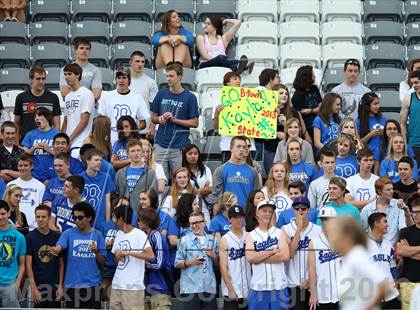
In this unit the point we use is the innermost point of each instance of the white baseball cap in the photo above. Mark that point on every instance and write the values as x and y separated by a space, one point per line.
327 212
266 203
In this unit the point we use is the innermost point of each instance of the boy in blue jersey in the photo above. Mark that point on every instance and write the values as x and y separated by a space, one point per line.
61 208
61 144
296 190
12 260
106 167
98 186
85 254
55 185
235 176
176 111
38 142
299 169
159 281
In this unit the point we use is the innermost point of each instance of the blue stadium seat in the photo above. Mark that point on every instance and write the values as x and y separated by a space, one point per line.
385 54
58 10
120 53
225 8
384 31
14 55
383 10
50 54
13 32
14 78
91 10
384 78
90 29
131 30
49 31
133 10
184 8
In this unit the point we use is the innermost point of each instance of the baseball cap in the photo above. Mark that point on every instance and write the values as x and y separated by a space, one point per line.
122 71
266 203
235 211
301 201
340 182
327 212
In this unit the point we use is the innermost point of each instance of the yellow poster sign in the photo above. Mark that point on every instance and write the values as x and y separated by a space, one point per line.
248 112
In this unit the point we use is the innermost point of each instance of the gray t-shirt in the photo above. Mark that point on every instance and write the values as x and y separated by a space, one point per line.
351 98
91 77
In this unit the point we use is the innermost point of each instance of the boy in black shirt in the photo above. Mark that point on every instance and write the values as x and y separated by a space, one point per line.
9 152
45 271
407 186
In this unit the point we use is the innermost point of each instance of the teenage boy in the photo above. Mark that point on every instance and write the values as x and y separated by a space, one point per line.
351 90
195 256
336 191
90 78
296 191
408 247
397 211
38 142
144 85
135 178
62 206
131 249
299 169
176 111
381 253
318 189
85 254
55 185
61 144
234 268
235 176
122 101
410 111
324 266
26 104
267 251
45 271
9 152
299 233
361 186
106 167
32 189
98 186
12 260
406 187
79 108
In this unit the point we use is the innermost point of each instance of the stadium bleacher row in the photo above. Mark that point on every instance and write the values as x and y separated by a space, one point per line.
383 34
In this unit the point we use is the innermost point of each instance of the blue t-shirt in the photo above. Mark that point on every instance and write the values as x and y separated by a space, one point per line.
109 231
389 169
346 166
96 188
61 210
82 270
37 136
120 149
47 171
375 143
287 216
239 180
328 133
54 188
133 175
220 224
12 246
344 210
410 151
303 172
2 188
182 106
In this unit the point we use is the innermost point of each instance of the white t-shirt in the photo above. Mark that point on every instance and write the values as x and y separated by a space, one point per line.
359 279
76 103
318 192
129 274
32 193
361 189
114 105
160 173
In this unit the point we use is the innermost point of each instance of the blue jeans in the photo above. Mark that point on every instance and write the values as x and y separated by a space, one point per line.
220 61
9 297
268 300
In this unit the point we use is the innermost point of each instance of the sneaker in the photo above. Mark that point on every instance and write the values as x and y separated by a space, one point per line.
14 19
243 61
7 19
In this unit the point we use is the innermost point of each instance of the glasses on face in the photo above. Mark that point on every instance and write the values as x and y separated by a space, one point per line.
196 223
79 218
302 208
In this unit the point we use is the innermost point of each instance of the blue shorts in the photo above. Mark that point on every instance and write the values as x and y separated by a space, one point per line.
269 300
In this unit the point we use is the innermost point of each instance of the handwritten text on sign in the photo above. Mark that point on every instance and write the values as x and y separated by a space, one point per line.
248 112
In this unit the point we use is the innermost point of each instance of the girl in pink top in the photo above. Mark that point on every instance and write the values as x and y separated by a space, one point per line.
212 46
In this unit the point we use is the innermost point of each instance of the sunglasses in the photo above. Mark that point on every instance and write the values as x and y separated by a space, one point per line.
195 223
352 62
300 208
79 218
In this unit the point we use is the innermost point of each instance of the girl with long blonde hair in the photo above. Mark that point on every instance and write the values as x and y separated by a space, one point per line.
100 136
149 159
12 196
